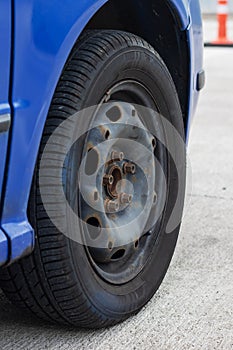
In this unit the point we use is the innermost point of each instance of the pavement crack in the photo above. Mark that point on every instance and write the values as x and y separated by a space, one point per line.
209 196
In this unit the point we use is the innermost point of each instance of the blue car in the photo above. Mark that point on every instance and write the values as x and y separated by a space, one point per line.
96 100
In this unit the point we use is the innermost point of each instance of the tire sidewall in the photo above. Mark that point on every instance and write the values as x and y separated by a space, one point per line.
147 68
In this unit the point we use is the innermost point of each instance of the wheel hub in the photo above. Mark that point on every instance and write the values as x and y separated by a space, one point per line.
113 181
116 174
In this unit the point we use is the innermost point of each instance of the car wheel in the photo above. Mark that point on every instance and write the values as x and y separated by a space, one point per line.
118 165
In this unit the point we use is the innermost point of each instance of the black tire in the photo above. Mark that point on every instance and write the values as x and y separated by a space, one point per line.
58 282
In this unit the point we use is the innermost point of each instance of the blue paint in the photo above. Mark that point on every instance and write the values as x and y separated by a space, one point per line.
3 248
195 38
5 42
44 34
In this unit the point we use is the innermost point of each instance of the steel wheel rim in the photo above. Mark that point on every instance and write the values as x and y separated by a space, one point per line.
118 265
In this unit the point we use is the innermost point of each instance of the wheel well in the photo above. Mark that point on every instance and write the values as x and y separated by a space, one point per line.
155 22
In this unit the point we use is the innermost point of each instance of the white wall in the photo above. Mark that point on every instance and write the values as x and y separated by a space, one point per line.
210 6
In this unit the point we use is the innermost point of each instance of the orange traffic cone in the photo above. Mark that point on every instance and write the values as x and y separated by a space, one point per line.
222 39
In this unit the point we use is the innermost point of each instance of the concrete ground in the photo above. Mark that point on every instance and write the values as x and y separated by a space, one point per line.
193 308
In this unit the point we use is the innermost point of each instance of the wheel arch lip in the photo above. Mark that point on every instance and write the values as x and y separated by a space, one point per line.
41 48
182 12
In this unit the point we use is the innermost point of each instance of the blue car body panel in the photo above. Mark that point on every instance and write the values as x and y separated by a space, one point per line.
5 61
44 34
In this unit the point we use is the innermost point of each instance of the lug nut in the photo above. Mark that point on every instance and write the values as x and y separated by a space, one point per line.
129 168
111 206
108 179
117 155
126 198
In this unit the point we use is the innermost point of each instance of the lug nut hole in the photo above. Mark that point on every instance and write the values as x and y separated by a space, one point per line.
96 196
92 161
94 227
110 245
118 254
107 134
114 114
